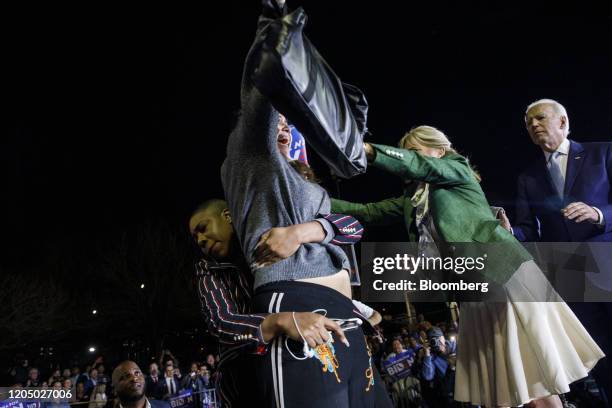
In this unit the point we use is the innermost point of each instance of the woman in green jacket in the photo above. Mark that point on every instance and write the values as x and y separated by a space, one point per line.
509 352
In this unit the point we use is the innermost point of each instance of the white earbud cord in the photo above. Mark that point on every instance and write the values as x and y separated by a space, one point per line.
307 352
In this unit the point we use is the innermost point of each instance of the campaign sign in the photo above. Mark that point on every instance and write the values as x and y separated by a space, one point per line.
399 365
184 399
297 148
10 404
15 403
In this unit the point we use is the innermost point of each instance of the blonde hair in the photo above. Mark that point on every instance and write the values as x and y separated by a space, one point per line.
429 136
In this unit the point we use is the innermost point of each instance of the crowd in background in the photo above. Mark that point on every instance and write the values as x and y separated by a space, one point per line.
416 362
91 384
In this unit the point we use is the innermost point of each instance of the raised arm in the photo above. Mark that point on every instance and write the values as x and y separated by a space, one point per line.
255 131
428 369
452 169
301 85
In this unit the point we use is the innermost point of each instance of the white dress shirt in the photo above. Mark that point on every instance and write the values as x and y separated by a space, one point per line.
170 384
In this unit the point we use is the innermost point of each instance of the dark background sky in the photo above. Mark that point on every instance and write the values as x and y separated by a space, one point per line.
119 117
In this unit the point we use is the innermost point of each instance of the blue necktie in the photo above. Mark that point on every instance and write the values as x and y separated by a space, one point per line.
554 168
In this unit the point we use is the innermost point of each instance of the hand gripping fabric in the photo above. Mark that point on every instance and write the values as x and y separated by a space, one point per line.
300 84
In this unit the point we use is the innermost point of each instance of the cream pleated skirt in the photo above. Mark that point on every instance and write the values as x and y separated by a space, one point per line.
511 353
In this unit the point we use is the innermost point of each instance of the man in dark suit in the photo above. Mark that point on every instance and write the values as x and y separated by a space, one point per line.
152 382
129 384
566 196
169 385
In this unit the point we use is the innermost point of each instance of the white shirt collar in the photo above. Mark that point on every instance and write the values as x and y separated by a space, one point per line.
563 148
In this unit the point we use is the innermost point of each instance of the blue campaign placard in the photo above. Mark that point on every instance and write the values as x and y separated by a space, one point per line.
18 403
183 400
11 404
399 365
297 148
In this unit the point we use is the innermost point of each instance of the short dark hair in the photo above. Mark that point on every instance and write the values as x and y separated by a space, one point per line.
214 203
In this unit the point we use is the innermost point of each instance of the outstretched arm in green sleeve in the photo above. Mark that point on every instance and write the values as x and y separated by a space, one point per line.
385 212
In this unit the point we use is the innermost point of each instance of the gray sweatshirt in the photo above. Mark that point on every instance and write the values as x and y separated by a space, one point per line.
264 191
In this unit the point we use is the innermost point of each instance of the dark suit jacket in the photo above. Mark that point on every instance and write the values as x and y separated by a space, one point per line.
588 178
89 386
152 388
163 387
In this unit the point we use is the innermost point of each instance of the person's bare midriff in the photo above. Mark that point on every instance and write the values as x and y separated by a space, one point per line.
339 281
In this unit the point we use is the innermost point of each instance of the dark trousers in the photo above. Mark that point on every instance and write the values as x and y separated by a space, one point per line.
237 385
291 380
382 396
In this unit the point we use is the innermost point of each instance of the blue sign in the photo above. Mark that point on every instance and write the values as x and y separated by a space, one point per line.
14 403
10 404
184 399
399 365
297 148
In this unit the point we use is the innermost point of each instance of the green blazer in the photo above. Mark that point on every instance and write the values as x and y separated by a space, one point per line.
457 204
